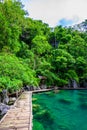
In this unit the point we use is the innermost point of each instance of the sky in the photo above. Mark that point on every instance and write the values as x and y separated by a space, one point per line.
57 12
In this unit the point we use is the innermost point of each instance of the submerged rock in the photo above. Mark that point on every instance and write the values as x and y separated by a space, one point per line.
36 107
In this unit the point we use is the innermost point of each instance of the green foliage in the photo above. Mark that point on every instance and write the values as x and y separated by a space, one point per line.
46 69
71 74
32 29
62 60
40 45
11 85
11 22
27 50
14 73
81 66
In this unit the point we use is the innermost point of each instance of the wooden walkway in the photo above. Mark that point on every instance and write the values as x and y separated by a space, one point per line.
20 116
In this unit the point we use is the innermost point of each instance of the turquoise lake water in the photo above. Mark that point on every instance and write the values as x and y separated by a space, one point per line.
65 110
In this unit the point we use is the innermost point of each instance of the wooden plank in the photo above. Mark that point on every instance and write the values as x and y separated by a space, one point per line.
20 116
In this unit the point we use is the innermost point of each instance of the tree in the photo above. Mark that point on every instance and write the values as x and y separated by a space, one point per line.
15 73
11 22
62 61
40 45
32 29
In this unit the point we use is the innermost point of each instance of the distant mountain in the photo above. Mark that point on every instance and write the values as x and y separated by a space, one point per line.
81 27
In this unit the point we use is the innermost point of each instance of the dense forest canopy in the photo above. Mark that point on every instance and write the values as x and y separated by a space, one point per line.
30 48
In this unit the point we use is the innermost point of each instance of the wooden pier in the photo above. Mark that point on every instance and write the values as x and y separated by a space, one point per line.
19 117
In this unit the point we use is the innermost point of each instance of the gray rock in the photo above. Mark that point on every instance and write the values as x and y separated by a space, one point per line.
43 86
13 99
4 108
5 97
4 111
74 84
6 100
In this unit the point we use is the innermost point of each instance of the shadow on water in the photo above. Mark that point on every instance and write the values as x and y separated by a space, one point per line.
65 101
83 105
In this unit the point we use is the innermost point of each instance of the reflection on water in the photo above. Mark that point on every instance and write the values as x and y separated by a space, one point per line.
66 110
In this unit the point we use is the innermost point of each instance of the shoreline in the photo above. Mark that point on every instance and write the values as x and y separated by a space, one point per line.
51 89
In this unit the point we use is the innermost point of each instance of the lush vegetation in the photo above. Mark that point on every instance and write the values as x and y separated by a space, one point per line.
30 48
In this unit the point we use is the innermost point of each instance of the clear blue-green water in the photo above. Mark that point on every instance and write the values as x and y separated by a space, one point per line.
65 110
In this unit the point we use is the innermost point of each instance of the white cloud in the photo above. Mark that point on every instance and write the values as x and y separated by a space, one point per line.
51 11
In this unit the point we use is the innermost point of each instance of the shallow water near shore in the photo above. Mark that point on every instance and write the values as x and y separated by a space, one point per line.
65 110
